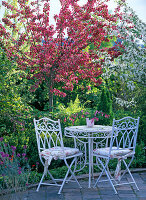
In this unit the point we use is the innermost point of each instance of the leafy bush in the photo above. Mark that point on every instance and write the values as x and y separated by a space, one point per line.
63 113
140 156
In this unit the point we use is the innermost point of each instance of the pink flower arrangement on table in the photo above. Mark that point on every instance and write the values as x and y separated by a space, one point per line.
96 115
92 115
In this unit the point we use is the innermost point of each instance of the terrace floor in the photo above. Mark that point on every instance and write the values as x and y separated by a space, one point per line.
71 191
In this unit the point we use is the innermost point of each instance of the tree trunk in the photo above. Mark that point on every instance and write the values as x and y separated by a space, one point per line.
50 84
50 102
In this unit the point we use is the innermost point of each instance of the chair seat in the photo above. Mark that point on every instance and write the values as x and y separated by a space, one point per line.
58 152
115 153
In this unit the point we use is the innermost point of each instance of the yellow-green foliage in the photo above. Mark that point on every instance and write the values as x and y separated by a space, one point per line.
64 113
73 107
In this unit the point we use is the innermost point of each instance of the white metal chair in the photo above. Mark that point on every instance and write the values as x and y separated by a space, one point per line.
122 147
50 146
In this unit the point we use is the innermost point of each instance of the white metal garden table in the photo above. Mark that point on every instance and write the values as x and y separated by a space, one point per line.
97 131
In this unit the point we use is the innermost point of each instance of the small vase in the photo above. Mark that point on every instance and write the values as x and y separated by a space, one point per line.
90 122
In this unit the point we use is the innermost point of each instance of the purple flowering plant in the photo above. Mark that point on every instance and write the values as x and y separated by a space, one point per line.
13 167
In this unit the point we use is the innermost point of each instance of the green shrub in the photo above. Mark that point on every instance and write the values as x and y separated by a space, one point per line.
105 105
140 156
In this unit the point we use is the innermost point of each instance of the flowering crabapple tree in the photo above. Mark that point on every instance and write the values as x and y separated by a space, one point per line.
44 51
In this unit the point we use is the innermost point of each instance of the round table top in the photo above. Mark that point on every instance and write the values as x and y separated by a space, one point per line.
95 128
84 131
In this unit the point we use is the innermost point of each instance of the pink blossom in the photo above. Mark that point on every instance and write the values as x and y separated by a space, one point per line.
96 118
65 119
88 87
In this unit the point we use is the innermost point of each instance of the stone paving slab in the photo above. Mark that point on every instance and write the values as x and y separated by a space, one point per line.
103 191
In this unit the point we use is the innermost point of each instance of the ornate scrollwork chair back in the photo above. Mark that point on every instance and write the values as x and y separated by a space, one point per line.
48 134
125 133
